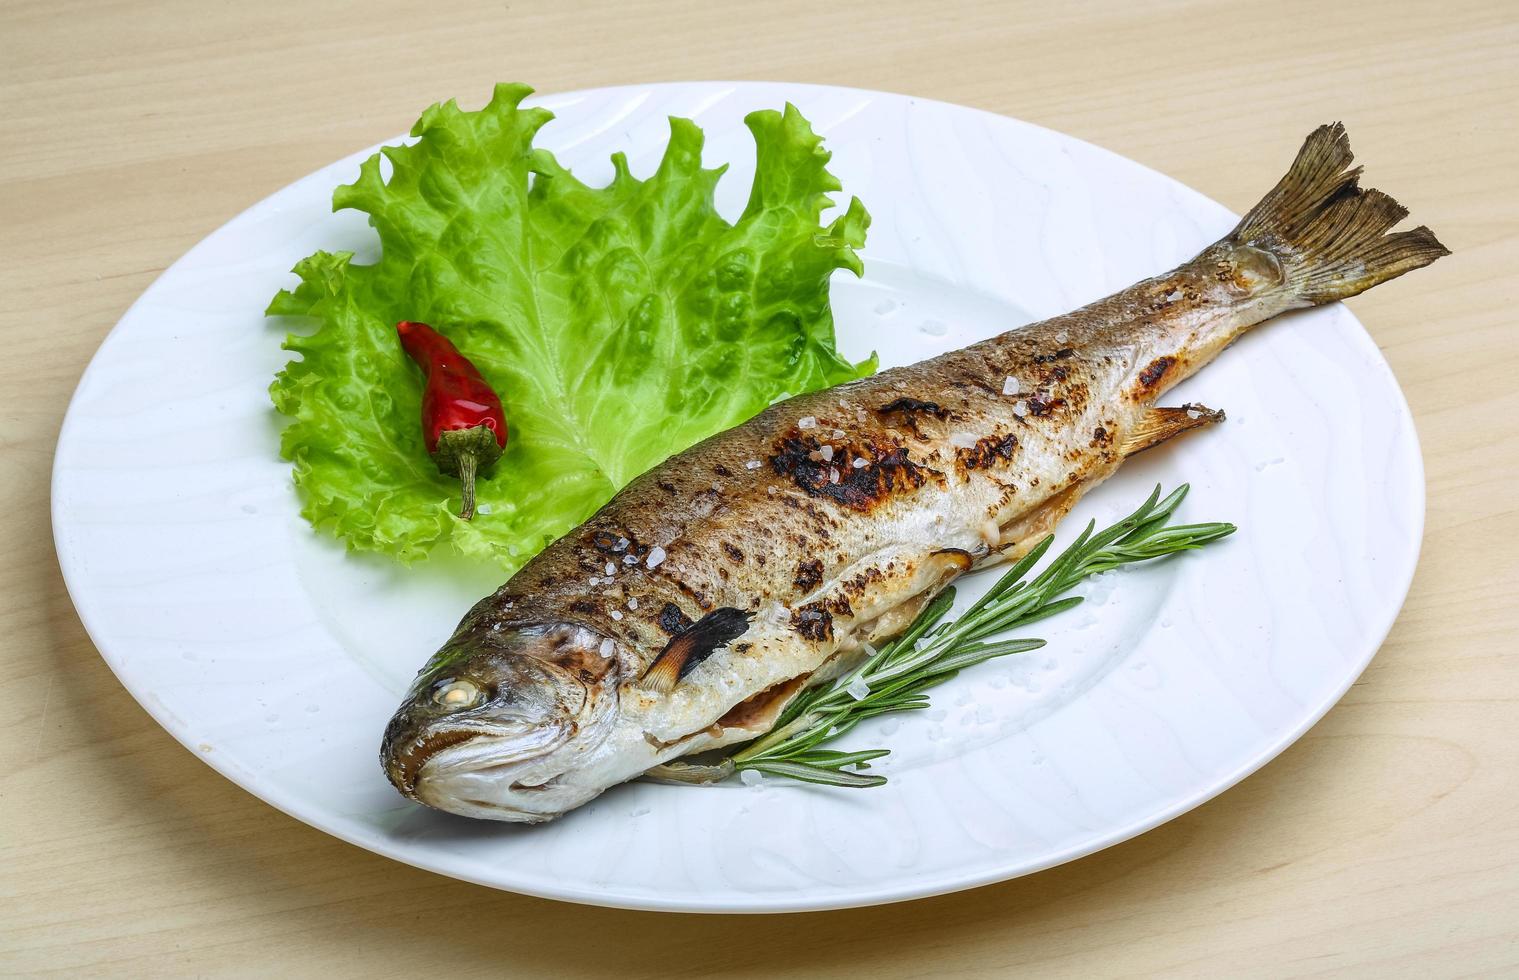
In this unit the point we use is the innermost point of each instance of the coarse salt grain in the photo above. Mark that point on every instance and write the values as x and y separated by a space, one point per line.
770 491
1020 408
611 568
607 646
1193 413
858 689
617 614
859 463
1010 385
962 440
656 555
622 544
807 422
633 602
1061 337
826 452
753 464
1173 296
630 559
838 433
750 777
483 509
833 474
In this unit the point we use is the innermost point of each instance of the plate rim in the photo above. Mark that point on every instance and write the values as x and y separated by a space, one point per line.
903 888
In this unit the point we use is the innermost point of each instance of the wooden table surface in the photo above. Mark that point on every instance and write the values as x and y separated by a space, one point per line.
1384 842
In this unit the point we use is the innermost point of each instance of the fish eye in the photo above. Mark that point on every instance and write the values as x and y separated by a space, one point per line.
456 694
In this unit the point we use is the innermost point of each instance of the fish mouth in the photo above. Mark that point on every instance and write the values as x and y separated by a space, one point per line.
521 777
471 749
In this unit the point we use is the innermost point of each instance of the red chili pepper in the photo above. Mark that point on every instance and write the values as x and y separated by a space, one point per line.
462 418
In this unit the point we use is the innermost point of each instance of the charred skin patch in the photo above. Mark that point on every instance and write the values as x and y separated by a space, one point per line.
732 551
722 470
989 451
813 622
856 586
887 471
1042 405
1059 355
914 406
1155 371
809 574
672 620
910 410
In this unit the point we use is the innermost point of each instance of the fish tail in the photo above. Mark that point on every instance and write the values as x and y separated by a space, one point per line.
1328 233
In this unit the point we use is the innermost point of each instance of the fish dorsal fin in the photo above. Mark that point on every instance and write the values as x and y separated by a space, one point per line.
1159 424
693 645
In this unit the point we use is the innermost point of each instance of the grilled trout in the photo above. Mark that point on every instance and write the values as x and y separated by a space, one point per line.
699 601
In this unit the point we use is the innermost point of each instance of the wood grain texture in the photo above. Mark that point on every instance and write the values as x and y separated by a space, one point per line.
1386 842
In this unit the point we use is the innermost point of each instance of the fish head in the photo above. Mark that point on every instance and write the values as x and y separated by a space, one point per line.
501 721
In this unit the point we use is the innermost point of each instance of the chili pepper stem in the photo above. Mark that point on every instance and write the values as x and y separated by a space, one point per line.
467 466
467 454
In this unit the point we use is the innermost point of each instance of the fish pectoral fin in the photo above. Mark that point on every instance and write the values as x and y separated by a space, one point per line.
692 645
951 562
1159 424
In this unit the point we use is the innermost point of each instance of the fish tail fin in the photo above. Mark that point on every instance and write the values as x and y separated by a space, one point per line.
1330 234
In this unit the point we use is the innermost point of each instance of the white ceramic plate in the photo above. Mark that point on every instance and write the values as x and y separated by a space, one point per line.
277 658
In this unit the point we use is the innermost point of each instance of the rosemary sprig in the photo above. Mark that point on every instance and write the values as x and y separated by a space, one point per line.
930 652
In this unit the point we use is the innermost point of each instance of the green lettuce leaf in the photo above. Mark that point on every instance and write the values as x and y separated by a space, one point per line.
619 324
